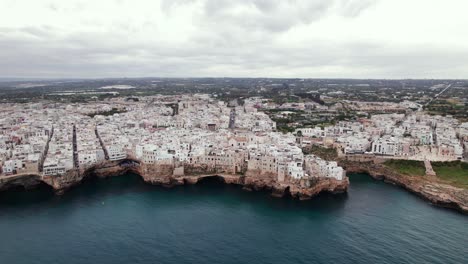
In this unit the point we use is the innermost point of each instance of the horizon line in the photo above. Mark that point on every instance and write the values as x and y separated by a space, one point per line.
13 79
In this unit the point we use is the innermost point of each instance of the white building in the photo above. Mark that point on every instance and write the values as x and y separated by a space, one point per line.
12 166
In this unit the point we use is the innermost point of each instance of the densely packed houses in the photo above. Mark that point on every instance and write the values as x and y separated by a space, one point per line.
415 136
191 130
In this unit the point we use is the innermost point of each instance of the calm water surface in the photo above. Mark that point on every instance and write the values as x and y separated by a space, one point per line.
123 220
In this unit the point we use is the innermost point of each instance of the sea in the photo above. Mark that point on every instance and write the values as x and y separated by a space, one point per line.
124 220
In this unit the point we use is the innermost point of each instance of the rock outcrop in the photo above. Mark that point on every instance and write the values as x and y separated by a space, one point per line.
27 181
427 187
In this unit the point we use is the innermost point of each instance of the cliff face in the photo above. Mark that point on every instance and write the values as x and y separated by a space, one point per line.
159 175
251 181
322 185
61 183
164 175
301 189
426 187
28 181
434 191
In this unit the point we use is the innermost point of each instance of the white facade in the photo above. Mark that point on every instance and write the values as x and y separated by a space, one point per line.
11 166
116 152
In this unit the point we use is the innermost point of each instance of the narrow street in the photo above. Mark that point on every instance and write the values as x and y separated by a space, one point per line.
232 118
46 150
75 149
106 154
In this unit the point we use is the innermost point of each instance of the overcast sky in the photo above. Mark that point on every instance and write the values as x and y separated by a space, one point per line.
234 38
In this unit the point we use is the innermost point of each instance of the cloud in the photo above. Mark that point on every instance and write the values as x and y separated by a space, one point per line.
266 15
272 15
244 38
353 8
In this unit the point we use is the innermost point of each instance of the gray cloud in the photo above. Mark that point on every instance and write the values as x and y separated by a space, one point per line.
249 38
272 16
353 8
268 15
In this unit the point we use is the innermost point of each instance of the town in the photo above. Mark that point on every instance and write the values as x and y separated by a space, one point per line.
415 137
248 131
51 139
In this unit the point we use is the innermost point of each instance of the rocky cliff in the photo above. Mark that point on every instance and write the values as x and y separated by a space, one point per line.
427 187
164 175
27 181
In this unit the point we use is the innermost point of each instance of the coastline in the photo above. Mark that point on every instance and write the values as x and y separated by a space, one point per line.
437 193
164 175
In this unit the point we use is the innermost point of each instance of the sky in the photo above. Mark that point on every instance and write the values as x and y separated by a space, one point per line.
234 38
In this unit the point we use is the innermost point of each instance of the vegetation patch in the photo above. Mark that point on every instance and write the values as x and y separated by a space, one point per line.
407 167
454 107
321 152
108 113
455 172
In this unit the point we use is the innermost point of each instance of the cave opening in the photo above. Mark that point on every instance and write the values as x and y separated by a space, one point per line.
212 180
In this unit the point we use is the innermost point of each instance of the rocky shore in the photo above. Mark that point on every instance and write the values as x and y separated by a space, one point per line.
164 175
428 187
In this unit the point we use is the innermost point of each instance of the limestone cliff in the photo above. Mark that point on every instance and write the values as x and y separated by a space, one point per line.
436 192
426 187
27 181
164 175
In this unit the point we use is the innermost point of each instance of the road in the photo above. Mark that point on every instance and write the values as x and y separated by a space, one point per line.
46 150
232 119
106 154
437 95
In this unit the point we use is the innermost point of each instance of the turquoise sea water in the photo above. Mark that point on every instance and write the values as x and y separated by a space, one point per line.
123 220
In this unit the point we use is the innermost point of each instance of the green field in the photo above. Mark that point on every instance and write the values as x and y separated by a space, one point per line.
321 152
407 167
455 172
